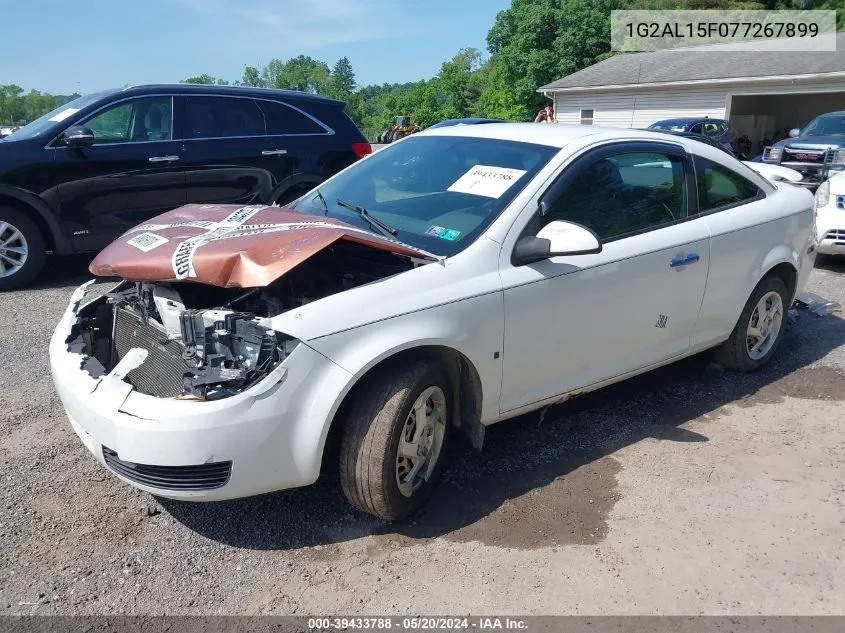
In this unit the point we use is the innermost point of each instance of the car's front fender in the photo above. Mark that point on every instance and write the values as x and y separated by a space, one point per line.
473 327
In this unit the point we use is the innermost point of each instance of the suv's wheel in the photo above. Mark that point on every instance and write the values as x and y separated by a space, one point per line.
760 328
21 249
395 439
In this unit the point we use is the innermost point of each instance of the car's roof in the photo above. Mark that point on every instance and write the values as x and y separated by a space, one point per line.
550 134
553 135
245 91
465 121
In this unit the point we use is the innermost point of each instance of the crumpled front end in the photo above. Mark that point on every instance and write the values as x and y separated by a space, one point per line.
234 436
175 378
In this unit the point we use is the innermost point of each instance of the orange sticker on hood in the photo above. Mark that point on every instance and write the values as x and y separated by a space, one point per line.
230 246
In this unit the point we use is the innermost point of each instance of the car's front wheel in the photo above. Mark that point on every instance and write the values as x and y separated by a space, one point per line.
22 250
395 440
760 328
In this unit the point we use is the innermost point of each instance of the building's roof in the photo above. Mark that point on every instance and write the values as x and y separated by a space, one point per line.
693 64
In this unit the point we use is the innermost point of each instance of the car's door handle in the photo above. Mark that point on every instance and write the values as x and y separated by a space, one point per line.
163 159
274 152
683 261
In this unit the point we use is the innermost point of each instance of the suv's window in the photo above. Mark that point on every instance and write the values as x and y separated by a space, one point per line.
623 193
282 119
217 117
696 129
137 121
719 186
711 129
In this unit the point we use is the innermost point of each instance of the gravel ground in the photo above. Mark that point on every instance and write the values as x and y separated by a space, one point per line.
685 491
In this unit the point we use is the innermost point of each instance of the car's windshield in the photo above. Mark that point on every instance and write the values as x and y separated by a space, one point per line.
669 127
53 118
438 192
826 125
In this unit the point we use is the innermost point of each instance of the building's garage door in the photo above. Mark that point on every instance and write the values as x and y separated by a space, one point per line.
769 117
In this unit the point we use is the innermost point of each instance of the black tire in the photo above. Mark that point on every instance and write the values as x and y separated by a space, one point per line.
371 435
35 245
734 353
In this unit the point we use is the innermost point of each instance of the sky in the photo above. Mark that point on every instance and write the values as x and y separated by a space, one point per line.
64 46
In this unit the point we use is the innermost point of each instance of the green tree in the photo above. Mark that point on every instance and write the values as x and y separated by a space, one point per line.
535 42
252 77
200 79
302 73
343 78
458 83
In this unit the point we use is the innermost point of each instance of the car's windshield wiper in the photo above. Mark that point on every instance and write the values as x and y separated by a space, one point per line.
372 220
323 200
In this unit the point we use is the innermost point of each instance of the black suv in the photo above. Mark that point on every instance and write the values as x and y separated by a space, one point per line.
81 175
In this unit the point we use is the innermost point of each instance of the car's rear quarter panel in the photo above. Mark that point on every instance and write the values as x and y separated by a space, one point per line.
746 243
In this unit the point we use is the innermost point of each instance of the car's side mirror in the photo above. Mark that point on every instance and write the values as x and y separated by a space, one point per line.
78 136
555 239
794 132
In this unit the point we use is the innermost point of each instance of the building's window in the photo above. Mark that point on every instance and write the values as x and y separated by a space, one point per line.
586 117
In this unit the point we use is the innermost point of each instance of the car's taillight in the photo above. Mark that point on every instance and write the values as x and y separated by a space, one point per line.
362 149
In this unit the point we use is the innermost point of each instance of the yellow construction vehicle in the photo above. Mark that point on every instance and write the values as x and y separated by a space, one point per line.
402 126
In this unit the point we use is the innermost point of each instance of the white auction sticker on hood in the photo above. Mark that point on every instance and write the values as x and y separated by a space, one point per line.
487 181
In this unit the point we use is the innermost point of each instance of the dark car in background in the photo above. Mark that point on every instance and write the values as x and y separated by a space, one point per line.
76 178
717 129
817 151
702 139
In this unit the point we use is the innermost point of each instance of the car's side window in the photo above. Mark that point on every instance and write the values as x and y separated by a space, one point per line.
711 129
623 193
282 119
719 186
137 121
220 117
696 129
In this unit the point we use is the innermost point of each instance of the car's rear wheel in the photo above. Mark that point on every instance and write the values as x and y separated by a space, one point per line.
22 251
760 328
395 440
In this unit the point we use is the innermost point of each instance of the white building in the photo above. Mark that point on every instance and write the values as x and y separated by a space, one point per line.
759 92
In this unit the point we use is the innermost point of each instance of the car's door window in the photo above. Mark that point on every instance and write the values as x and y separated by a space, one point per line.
623 193
711 129
220 117
282 120
136 121
696 129
719 186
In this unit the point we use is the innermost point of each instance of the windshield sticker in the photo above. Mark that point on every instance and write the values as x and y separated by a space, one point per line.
443 233
61 116
147 241
487 181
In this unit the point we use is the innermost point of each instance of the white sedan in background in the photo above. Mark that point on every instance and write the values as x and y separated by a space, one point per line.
457 278
830 216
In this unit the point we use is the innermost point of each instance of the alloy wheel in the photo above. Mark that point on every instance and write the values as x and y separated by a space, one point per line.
421 440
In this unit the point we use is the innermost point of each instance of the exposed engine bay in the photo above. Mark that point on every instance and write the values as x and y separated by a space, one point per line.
206 342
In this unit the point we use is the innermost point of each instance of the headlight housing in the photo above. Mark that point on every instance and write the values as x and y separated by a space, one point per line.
823 195
772 154
839 157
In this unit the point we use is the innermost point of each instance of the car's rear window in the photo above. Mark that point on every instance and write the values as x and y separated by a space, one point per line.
283 119
438 192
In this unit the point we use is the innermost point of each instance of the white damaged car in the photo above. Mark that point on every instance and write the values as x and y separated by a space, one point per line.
830 216
456 278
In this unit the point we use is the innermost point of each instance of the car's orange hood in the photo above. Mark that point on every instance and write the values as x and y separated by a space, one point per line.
229 246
